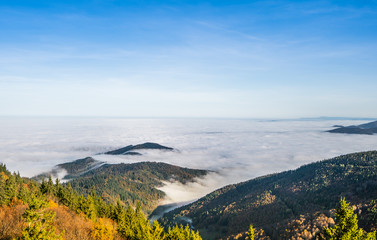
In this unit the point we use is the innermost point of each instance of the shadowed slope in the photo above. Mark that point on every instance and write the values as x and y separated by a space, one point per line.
270 202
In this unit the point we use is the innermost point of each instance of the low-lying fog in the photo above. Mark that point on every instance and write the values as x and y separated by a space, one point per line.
237 150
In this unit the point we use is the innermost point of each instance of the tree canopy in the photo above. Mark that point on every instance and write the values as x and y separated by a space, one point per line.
346 227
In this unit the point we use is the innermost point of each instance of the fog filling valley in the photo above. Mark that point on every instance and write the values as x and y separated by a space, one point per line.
236 150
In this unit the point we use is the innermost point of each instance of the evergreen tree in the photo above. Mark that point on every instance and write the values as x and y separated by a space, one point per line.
251 233
180 233
58 188
157 231
40 222
10 189
126 223
142 228
119 211
50 186
3 168
346 227
69 197
87 207
43 186
23 193
372 211
3 198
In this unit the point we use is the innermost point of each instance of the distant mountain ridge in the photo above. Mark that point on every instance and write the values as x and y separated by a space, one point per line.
367 128
288 205
130 149
77 167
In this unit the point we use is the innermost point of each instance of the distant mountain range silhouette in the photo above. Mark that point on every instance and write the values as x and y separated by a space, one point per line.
367 128
130 149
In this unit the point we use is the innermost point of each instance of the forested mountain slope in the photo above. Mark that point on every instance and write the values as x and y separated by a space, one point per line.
29 210
133 183
367 128
290 204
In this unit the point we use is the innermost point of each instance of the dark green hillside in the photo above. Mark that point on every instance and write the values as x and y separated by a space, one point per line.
128 150
367 128
277 202
79 166
133 183
71 169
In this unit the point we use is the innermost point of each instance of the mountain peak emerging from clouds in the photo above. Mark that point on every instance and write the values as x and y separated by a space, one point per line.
366 128
129 150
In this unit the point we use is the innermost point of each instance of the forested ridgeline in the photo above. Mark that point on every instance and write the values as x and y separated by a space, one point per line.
29 210
131 183
289 205
134 183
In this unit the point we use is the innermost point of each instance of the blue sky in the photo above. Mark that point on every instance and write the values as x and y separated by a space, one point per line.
236 59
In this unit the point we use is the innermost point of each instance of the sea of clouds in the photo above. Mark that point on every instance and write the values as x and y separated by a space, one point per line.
236 150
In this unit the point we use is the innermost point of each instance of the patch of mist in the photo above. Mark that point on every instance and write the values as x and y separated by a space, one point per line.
165 208
178 192
55 173
98 165
60 173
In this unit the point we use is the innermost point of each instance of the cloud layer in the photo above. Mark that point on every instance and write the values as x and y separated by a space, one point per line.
237 150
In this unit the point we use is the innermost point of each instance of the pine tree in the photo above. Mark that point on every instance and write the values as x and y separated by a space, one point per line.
3 168
119 211
346 227
157 231
87 207
50 186
10 189
127 223
143 228
251 233
58 188
69 197
180 233
40 222
23 193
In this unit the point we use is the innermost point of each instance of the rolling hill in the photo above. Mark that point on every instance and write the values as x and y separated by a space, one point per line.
286 205
74 169
131 183
130 149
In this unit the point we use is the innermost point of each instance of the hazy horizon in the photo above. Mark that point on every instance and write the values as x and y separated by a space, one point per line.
299 118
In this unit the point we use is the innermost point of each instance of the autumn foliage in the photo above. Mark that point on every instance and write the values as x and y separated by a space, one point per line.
51 211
